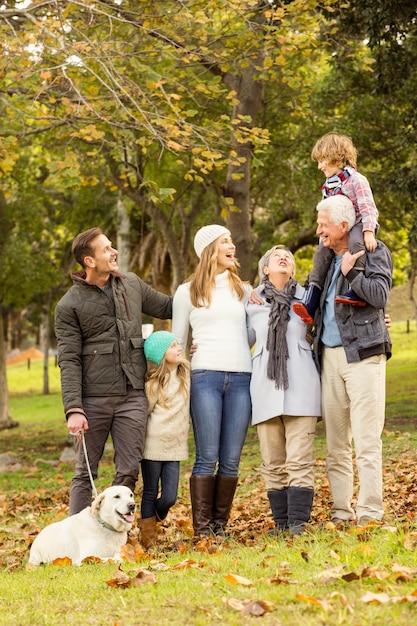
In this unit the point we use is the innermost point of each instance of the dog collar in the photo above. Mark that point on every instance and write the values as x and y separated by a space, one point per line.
108 526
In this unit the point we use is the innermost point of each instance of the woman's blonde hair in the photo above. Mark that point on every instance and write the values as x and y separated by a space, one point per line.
157 378
203 281
335 149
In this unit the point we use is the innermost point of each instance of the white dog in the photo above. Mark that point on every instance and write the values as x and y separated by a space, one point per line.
99 530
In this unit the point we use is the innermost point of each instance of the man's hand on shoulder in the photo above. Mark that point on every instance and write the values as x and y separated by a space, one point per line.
349 260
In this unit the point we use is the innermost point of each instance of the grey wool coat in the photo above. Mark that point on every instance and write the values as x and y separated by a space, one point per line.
303 396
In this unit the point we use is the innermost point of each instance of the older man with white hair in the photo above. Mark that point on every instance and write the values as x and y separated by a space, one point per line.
352 345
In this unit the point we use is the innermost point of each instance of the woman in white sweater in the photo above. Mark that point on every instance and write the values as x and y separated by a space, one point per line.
212 303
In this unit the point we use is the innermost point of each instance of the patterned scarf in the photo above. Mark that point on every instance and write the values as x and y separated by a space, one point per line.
276 343
333 185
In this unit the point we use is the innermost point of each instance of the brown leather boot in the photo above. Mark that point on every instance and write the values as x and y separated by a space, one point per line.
201 490
224 491
148 534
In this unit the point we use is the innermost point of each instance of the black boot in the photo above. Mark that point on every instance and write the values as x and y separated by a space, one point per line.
202 490
224 491
307 307
279 508
300 502
350 297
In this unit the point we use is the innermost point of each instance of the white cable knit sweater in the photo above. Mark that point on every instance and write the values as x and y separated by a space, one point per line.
219 331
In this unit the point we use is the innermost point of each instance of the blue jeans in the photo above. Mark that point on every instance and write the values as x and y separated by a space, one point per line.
220 412
163 477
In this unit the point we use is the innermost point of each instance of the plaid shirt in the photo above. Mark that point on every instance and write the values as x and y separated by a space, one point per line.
357 188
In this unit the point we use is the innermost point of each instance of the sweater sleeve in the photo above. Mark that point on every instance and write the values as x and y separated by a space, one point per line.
181 309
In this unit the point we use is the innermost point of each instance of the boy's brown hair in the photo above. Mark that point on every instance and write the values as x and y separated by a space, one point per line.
335 149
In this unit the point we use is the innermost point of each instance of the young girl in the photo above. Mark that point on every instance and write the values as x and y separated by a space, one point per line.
336 157
167 387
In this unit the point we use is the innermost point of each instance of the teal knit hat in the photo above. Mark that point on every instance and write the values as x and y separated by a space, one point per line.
157 344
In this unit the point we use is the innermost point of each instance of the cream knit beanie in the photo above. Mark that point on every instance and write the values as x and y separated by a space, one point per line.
206 235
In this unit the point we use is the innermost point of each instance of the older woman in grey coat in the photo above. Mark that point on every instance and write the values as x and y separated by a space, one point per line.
285 392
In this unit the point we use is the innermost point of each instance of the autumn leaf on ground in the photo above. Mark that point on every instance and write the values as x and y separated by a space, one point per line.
331 574
324 604
279 580
144 576
249 607
343 600
305 555
159 567
379 598
120 579
62 562
410 541
188 563
375 572
133 552
403 573
91 559
235 579
366 549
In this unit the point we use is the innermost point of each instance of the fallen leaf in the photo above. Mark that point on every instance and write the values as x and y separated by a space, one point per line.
144 576
378 598
120 579
249 607
188 563
91 559
331 574
62 562
133 552
256 607
324 604
235 579
403 573
375 572
350 576
410 540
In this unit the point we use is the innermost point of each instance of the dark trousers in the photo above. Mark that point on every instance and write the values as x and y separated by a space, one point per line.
124 418
159 478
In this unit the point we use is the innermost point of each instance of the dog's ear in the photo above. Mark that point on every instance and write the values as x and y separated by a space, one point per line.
96 504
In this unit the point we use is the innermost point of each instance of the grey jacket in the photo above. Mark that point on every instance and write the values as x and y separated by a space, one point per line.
362 329
100 345
303 395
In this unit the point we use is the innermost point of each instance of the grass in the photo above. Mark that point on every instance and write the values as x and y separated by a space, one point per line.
320 578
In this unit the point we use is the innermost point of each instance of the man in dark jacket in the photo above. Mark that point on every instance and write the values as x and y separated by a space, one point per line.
351 346
98 326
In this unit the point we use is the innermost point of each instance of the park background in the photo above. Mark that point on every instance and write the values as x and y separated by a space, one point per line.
151 119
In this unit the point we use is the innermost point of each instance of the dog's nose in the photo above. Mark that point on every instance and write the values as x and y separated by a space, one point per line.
131 506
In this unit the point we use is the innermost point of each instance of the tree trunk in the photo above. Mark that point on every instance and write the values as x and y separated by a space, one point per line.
46 332
249 92
6 420
123 236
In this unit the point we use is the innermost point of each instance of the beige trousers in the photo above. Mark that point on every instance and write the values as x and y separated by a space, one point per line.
287 451
353 406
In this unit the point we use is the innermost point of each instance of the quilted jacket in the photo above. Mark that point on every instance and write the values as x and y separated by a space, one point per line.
100 345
